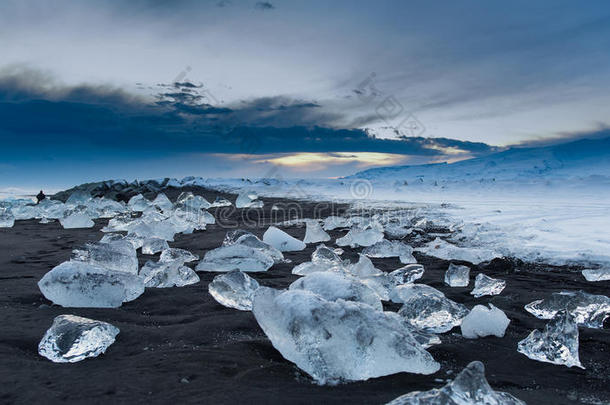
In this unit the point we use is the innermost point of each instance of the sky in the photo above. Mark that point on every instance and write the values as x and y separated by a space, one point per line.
148 88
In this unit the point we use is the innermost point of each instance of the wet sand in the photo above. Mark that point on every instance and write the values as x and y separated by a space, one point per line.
179 345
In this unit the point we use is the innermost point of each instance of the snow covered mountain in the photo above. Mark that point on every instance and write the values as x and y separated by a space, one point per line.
573 160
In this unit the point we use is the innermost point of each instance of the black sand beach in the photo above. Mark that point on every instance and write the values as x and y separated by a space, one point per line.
178 345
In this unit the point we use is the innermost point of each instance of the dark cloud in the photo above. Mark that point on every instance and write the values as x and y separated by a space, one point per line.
98 118
264 5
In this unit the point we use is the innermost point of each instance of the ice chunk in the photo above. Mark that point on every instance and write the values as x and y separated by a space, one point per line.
427 308
152 246
117 255
333 286
281 240
322 259
333 222
485 285
366 234
338 341
7 220
164 274
602 274
447 251
77 284
386 248
314 232
589 310
407 274
138 203
457 276
469 388
195 202
235 257
177 255
163 203
364 267
557 344
483 321
221 202
234 289
246 238
248 199
73 338
77 220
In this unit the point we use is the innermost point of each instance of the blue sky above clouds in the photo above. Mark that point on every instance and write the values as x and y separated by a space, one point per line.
94 90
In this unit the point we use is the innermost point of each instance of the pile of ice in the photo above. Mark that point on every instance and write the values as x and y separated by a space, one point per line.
241 250
589 310
485 285
469 387
448 251
79 284
427 308
73 338
322 259
483 321
336 341
234 289
457 276
557 344
282 241
116 255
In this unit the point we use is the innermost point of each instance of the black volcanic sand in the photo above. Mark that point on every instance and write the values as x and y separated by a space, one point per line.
178 345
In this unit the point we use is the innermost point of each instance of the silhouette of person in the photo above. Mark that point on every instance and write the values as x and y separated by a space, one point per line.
40 197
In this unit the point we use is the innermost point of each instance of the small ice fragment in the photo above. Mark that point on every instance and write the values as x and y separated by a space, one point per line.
407 274
394 248
248 199
152 246
73 338
589 310
7 220
235 257
602 274
163 203
366 234
76 284
447 251
282 241
485 285
241 237
483 321
427 308
77 220
338 341
234 289
333 286
165 274
333 222
557 344
314 232
221 202
322 259
138 203
457 276
177 255
469 387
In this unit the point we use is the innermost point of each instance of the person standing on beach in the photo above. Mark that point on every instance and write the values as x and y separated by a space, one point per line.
40 197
